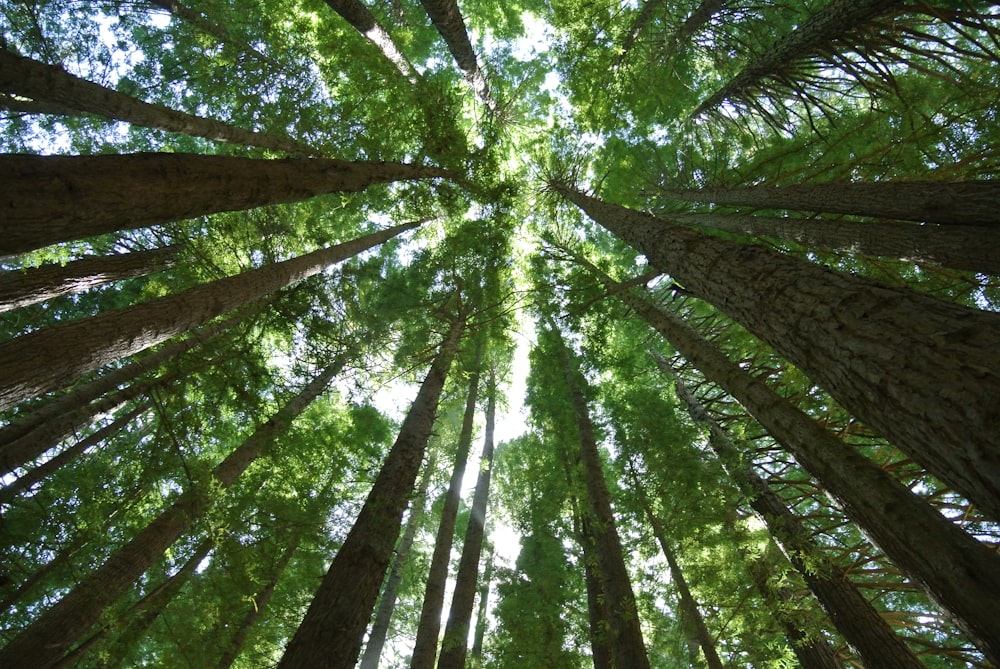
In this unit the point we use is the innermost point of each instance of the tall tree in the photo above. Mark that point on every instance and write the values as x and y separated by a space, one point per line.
447 18
361 18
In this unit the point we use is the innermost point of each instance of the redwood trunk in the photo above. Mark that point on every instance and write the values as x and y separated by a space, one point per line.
50 358
481 613
47 639
19 288
331 632
355 13
49 199
922 372
447 18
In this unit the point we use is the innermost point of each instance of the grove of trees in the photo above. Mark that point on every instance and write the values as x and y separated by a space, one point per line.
506 335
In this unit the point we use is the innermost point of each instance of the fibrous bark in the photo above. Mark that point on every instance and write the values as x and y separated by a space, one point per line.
447 18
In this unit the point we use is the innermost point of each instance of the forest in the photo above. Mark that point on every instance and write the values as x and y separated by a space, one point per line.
528 334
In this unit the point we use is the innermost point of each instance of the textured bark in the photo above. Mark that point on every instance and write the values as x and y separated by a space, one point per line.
861 625
47 639
355 13
19 288
625 635
387 604
49 199
973 248
331 632
959 573
429 627
922 372
447 18
811 36
454 646
938 202
51 84
598 622
50 358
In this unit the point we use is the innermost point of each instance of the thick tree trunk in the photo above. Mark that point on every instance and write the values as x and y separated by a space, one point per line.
355 13
47 639
454 646
447 18
973 248
50 358
429 627
937 202
331 632
922 372
19 288
959 573
49 199
871 637
387 604
814 34
626 640
51 84
598 623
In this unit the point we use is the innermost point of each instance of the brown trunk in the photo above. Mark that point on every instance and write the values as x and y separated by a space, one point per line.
331 632
482 621
49 199
355 13
19 288
45 641
429 627
922 372
48 359
973 248
871 637
454 646
626 640
937 202
51 84
447 18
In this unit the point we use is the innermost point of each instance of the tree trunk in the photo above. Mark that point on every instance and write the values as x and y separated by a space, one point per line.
482 620
813 35
355 13
922 372
51 84
938 202
447 18
331 632
45 641
862 626
49 199
48 359
639 23
454 646
972 248
428 629
598 622
387 604
626 640
19 288
959 573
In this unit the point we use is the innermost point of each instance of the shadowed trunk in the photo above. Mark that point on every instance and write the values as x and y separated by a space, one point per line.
447 18
355 13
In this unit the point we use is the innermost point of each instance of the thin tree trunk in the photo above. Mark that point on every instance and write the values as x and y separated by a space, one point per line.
331 632
387 605
19 288
45 641
959 573
447 18
49 199
697 21
429 627
626 640
973 248
51 84
482 621
642 19
355 13
48 359
871 637
937 202
454 646
922 372
814 34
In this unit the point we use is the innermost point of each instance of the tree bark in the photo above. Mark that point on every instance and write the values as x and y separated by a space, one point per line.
48 359
355 13
50 199
331 632
19 288
51 84
447 18
972 248
482 621
429 627
922 372
454 646
47 639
